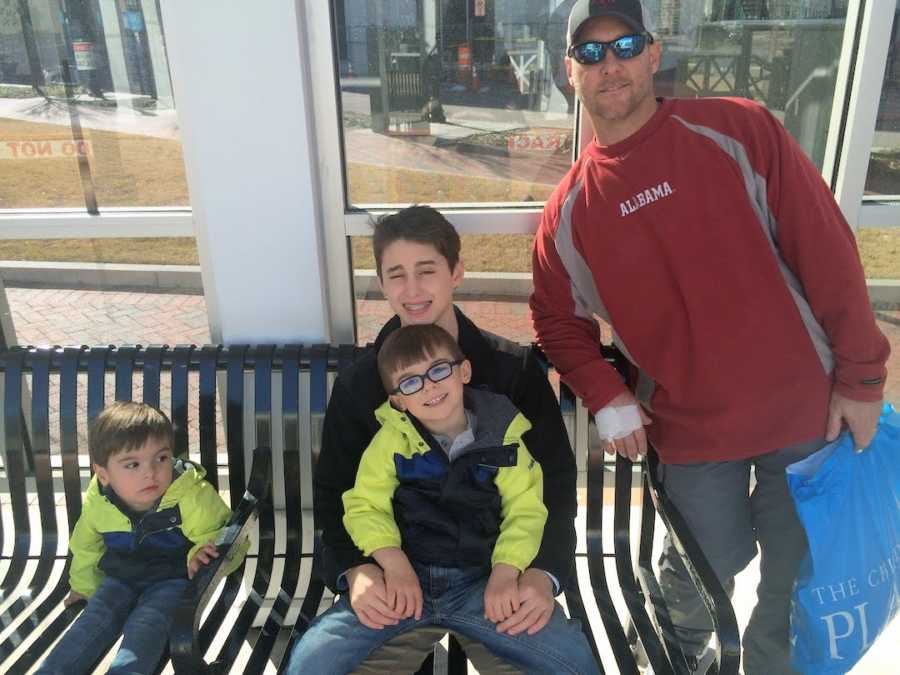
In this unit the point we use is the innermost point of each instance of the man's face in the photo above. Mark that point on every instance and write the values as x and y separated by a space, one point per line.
139 476
615 90
418 284
438 405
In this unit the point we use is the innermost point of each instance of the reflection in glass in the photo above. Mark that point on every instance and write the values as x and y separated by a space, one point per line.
453 100
883 177
86 109
782 54
468 101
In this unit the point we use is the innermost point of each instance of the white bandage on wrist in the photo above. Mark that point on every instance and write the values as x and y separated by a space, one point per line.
617 422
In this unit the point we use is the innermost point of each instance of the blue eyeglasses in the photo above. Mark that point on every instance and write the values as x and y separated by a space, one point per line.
625 47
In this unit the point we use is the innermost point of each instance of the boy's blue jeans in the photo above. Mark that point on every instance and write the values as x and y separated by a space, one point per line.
337 642
142 613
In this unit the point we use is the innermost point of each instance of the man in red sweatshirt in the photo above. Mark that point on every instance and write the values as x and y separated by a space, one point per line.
704 236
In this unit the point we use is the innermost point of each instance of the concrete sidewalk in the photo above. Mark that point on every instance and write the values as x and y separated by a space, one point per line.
159 123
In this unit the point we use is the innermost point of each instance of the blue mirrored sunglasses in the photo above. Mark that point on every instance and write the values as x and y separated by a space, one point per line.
415 383
625 47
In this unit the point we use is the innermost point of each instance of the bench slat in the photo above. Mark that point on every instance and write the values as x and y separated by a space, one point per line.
712 593
234 420
96 381
649 584
68 431
181 357
150 374
631 591
186 642
262 369
206 409
15 472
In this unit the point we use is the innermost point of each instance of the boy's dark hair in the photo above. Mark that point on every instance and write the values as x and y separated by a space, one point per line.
125 425
422 224
410 344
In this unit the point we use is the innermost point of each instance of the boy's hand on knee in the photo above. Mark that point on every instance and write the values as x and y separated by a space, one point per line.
368 597
72 598
204 555
501 597
536 604
402 589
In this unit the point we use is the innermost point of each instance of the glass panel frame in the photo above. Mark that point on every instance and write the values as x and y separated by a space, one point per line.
886 188
851 135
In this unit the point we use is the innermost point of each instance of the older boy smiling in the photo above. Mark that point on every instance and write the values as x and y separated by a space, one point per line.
419 268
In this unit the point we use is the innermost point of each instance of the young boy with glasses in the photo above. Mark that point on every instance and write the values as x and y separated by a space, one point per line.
448 502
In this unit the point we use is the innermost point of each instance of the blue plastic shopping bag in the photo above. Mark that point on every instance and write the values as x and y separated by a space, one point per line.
848 588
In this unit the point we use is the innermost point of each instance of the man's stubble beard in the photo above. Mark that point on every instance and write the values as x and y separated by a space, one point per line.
621 110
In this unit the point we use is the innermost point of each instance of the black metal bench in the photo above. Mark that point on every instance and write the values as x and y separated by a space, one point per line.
274 400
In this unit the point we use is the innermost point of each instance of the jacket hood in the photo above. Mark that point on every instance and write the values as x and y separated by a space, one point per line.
495 415
186 475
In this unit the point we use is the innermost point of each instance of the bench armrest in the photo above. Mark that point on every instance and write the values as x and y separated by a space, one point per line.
718 604
186 652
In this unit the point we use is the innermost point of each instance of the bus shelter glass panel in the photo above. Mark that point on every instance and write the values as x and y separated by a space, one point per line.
782 53
883 177
453 101
87 121
87 117
463 101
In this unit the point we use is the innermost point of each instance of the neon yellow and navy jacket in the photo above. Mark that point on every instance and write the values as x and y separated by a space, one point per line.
111 539
483 508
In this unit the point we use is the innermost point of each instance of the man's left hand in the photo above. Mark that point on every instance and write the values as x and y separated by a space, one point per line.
535 604
860 416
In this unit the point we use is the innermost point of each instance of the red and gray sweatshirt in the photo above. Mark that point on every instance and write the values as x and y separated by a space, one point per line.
712 246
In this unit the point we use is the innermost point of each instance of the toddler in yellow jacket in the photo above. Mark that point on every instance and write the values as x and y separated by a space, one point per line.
147 525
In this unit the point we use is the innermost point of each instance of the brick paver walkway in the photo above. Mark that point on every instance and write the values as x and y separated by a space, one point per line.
67 317
46 316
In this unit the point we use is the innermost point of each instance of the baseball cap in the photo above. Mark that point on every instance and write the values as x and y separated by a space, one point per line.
628 11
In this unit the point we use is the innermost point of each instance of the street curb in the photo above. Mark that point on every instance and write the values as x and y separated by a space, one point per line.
102 276
883 293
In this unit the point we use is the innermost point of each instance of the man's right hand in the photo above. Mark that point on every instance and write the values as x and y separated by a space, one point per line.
634 445
368 597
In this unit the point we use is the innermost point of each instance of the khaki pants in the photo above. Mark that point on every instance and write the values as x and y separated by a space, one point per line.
405 653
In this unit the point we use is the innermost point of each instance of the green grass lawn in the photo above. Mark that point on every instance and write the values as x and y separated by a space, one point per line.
132 170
